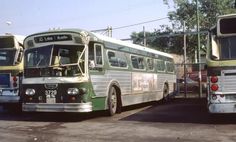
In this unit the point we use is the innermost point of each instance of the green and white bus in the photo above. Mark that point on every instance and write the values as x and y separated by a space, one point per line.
221 66
73 70
11 68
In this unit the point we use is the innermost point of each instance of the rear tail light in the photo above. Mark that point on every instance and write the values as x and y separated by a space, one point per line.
14 84
14 79
214 79
214 87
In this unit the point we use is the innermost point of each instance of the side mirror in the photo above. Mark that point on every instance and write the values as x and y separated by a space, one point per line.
91 64
19 58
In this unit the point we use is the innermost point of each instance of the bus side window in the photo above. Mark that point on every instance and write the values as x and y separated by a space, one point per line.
160 65
117 59
137 62
150 64
98 53
134 62
141 63
20 56
170 67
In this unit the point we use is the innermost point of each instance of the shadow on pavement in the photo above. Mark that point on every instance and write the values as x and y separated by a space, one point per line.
190 110
49 116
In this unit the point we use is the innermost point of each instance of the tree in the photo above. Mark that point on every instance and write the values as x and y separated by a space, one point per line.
185 10
171 39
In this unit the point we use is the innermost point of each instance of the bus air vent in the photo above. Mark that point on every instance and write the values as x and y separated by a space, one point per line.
50 86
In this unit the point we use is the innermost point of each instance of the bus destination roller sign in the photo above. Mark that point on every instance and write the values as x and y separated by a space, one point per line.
52 38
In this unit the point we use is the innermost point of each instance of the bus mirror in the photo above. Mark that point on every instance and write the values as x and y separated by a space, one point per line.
19 58
94 66
215 51
205 67
91 64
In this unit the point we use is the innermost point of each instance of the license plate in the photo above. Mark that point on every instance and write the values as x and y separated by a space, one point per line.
51 96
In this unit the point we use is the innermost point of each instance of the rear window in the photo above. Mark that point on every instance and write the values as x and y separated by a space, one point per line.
6 42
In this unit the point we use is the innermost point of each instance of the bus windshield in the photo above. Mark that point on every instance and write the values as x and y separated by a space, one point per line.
61 58
7 57
228 47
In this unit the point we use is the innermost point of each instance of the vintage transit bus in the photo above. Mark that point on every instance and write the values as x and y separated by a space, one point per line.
221 66
11 68
78 71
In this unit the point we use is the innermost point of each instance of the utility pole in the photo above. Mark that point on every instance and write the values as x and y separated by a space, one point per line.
199 53
144 37
109 31
185 70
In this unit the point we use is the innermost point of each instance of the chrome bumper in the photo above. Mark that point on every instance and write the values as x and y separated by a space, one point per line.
58 107
222 108
9 99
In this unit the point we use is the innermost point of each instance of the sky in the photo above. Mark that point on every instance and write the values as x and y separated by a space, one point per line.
24 17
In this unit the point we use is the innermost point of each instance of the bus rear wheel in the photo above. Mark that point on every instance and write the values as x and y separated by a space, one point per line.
112 101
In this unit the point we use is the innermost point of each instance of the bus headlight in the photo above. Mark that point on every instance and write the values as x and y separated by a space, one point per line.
29 91
73 91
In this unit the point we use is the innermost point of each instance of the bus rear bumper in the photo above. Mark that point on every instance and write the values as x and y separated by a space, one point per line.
57 107
222 108
9 99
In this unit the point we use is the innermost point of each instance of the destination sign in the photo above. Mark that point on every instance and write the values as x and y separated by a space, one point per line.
52 38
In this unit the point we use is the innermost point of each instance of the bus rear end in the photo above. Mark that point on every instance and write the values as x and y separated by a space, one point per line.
221 66
11 67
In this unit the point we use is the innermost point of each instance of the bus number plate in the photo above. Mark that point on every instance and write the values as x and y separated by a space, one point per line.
51 96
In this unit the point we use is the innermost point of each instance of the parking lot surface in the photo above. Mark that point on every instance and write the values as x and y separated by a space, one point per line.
176 120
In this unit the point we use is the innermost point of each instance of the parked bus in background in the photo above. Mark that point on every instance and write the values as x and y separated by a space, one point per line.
221 66
78 71
11 68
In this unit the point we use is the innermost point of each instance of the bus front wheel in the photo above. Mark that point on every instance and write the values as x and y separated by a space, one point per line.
112 101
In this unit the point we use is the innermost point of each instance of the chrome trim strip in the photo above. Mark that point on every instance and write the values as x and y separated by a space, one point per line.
9 99
58 107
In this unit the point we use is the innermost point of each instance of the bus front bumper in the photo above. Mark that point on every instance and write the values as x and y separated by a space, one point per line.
57 107
222 108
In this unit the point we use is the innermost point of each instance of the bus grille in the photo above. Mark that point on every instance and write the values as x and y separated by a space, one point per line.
229 81
230 97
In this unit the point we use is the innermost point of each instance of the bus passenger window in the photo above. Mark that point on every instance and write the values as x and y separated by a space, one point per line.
134 62
170 67
112 59
137 62
140 63
98 49
117 59
150 64
160 65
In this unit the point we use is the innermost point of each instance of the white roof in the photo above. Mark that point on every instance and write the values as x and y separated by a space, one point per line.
131 45
19 38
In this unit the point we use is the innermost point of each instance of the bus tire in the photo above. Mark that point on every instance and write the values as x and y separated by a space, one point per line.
112 101
165 93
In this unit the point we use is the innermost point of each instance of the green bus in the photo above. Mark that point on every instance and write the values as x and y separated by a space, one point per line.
11 68
73 70
221 66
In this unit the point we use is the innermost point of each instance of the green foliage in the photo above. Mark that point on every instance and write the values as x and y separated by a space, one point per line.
171 39
185 10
